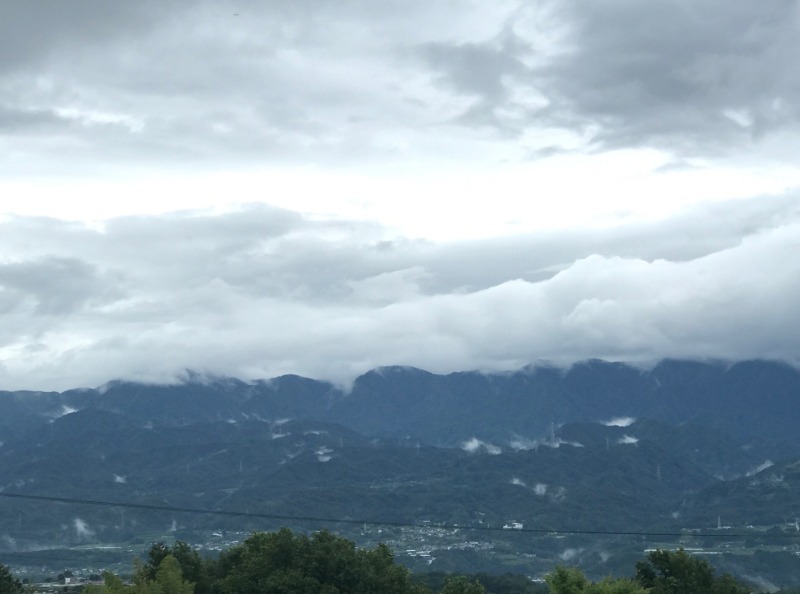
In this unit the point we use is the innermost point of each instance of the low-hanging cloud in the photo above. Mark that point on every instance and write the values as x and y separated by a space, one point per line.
475 445
260 292
82 529
620 422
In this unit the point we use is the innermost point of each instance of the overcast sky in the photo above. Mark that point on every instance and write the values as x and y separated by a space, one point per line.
258 188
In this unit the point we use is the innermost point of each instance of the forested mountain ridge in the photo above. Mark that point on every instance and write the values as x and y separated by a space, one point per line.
747 399
597 447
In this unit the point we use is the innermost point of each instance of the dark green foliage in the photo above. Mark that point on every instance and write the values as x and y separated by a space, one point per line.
662 572
570 580
677 572
461 585
168 579
192 566
8 583
507 583
567 580
284 562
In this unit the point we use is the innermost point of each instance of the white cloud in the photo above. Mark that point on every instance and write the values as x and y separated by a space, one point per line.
82 529
620 422
532 181
763 466
569 554
476 445
260 292
519 443
65 410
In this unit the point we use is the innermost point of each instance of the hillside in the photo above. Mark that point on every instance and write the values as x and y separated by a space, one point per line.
599 447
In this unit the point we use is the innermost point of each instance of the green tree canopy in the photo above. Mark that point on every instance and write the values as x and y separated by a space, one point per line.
168 579
8 583
677 572
284 562
566 580
461 585
193 567
570 580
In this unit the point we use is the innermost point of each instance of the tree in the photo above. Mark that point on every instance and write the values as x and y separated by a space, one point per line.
461 585
193 567
616 586
8 583
111 585
570 580
677 572
168 579
566 580
284 562
507 583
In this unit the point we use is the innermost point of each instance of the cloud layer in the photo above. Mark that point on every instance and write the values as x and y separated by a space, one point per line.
643 153
260 291
222 84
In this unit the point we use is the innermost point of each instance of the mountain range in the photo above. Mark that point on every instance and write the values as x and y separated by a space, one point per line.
599 446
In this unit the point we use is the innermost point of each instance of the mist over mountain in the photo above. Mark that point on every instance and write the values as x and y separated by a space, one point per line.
746 399
595 447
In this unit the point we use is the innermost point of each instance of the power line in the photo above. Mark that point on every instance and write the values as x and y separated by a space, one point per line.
389 523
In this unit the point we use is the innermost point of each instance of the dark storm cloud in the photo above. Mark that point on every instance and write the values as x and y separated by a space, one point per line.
361 82
192 84
679 75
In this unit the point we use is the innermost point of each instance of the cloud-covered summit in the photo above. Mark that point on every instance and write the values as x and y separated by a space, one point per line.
452 185
260 291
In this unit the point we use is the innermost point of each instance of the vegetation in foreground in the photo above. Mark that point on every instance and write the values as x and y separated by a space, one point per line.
284 562
8 583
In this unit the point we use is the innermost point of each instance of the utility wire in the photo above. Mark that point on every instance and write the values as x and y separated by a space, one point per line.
361 522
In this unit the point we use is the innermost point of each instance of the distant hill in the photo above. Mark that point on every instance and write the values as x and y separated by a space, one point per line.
598 447
751 399
312 468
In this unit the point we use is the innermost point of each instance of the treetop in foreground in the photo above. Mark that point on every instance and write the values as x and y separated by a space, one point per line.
281 562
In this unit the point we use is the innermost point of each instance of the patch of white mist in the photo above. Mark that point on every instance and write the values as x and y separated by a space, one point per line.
82 529
763 466
523 444
569 554
619 422
476 445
